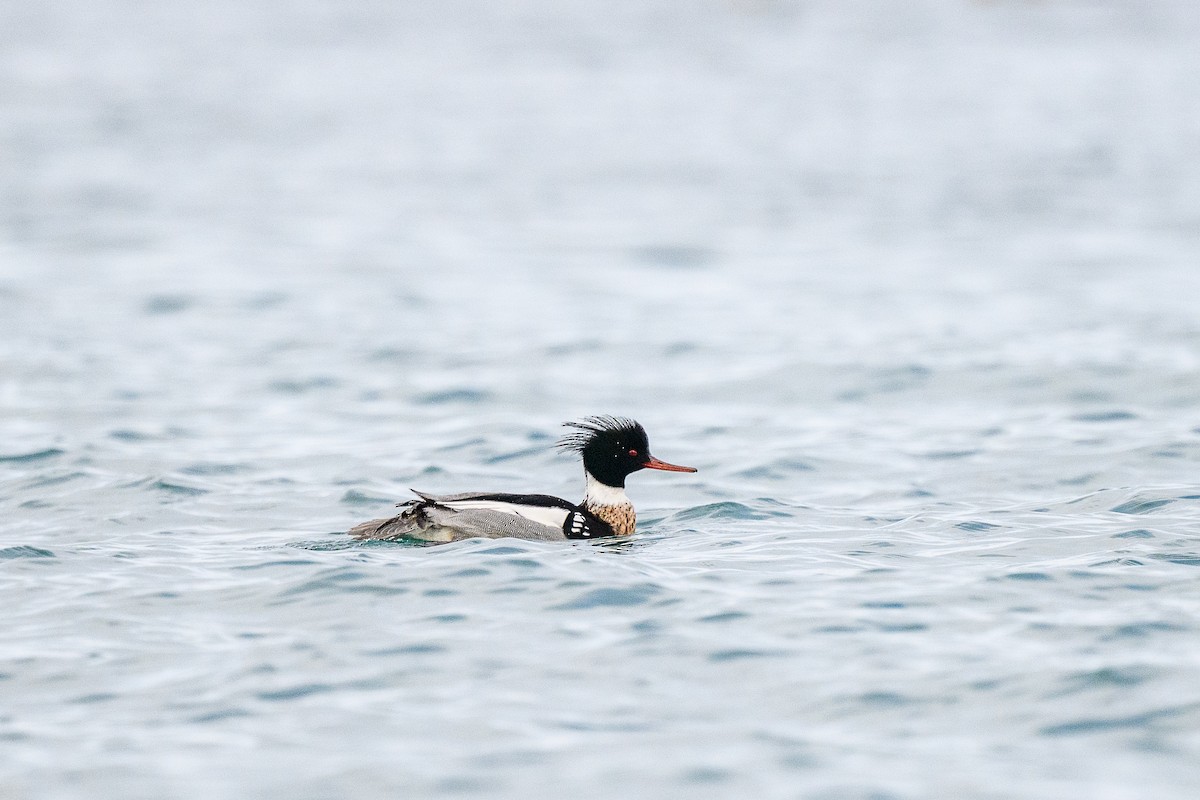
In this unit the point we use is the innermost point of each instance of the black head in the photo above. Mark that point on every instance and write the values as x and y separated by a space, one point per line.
613 447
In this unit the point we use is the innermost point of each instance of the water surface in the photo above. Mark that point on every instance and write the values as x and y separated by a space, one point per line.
914 289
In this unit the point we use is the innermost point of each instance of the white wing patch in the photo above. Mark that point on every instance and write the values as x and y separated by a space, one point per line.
552 517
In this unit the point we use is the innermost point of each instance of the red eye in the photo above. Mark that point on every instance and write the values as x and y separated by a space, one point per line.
633 452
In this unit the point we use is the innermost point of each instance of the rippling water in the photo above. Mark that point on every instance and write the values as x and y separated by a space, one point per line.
915 289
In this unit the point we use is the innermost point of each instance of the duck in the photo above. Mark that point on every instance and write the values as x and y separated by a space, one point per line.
611 447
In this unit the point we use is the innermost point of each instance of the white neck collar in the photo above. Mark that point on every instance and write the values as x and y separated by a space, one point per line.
601 494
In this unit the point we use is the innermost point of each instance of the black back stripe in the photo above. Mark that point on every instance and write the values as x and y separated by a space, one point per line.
536 500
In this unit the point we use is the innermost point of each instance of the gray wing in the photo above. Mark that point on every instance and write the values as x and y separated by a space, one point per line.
429 521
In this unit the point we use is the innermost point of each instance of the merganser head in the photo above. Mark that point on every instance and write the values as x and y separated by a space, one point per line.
613 447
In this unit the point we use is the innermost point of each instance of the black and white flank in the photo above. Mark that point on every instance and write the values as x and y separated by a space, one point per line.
611 448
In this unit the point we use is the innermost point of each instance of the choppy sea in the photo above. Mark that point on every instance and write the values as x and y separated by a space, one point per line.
916 286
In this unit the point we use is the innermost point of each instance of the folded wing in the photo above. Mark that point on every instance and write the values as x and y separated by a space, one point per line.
449 518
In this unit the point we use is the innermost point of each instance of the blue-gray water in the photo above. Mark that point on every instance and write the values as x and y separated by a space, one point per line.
914 285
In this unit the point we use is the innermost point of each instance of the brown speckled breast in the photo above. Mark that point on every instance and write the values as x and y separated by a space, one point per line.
621 519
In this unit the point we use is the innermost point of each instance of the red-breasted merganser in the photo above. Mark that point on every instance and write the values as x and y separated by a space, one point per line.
612 448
